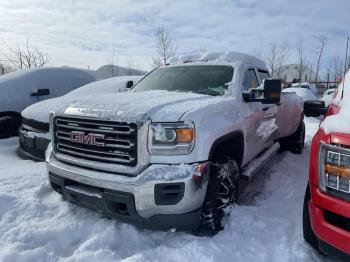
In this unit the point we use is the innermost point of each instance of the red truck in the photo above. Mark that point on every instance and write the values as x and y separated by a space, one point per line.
326 212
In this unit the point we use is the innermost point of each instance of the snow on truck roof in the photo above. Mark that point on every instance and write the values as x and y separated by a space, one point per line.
339 123
231 58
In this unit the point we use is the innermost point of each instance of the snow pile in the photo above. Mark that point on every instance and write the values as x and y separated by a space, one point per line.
168 172
41 111
37 225
340 122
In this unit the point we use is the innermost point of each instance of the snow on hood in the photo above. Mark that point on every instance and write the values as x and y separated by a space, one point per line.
110 85
304 93
155 105
41 111
339 123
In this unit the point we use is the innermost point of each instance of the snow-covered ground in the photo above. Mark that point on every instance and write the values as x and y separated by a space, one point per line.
36 225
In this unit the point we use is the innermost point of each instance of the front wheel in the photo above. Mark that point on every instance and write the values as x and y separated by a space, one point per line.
222 192
8 126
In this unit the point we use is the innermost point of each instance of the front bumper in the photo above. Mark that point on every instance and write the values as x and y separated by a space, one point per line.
160 197
33 145
332 231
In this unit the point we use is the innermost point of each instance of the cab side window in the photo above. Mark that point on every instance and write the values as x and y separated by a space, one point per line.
250 80
263 75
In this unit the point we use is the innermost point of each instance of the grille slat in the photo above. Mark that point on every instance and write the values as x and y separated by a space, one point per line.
93 157
92 151
115 142
79 128
129 146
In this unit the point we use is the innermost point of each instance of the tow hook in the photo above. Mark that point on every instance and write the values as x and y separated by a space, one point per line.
200 174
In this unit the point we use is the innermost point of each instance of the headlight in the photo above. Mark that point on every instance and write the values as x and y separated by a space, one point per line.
171 138
334 168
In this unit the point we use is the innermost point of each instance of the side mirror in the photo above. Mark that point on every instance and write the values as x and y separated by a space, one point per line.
129 84
272 91
314 108
41 92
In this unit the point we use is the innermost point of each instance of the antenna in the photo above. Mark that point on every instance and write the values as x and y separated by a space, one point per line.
345 66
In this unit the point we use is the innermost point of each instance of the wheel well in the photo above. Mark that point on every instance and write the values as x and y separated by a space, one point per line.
230 145
12 114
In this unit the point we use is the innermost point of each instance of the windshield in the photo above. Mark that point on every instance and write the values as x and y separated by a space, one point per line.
209 80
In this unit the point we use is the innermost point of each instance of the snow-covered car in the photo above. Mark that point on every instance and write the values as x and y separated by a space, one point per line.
23 88
170 153
34 132
328 96
303 90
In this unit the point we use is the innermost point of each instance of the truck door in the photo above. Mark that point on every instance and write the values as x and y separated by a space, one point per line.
254 116
267 131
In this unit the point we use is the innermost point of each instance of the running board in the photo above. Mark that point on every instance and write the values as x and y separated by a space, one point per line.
250 170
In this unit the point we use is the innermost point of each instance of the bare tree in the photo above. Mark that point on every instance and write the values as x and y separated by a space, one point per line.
4 69
272 59
301 59
164 45
27 57
318 49
276 57
282 58
335 68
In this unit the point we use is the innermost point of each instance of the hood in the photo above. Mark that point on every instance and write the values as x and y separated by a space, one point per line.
155 105
304 93
40 112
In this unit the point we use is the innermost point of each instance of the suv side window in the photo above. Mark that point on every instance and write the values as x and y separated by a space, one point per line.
263 75
250 80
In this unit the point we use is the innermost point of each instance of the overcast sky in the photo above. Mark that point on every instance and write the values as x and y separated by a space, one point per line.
84 33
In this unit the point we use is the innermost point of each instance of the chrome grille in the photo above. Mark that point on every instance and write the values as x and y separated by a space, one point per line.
118 140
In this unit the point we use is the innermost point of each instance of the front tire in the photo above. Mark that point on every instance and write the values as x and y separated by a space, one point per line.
222 192
308 233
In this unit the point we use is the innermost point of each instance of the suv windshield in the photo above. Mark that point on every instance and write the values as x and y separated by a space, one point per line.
209 80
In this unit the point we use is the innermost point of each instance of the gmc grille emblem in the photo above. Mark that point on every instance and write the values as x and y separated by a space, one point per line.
87 139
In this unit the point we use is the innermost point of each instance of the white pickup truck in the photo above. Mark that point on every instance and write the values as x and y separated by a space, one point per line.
170 152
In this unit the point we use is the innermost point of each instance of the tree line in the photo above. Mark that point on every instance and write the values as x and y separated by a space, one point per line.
275 55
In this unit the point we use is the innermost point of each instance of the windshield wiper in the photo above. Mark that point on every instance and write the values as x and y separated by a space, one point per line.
208 91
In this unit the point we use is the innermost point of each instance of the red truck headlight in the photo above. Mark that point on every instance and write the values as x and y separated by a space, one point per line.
334 168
